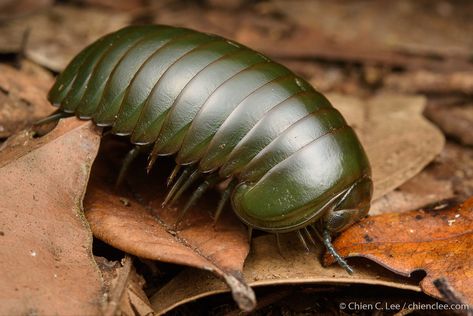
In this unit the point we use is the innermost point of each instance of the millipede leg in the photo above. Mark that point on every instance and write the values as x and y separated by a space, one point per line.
129 158
301 238
152 158
177 185
192 178
210 181
173 175
327 239
250 233
53 117
316 232
309 236
223 200
106 131
278 243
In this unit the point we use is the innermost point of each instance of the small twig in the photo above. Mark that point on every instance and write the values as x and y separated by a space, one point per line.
120 287
23 46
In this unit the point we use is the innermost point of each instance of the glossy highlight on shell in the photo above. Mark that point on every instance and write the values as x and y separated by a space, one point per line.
225 112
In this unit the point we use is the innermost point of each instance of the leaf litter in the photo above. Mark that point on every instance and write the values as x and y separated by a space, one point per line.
388 176
37 34
22 97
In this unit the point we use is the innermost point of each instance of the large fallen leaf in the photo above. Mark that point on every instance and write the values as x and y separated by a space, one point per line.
22 99
52 48
45 250
266 266
398 140
137 224
436 241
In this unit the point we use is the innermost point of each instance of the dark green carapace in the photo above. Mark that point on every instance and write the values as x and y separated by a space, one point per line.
225 111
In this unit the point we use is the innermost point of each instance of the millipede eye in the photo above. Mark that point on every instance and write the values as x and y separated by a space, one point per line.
338 220
335 221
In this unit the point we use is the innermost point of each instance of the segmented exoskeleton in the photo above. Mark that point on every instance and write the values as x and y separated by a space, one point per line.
224 111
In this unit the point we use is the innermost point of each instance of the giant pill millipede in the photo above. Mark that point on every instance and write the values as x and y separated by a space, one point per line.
227 113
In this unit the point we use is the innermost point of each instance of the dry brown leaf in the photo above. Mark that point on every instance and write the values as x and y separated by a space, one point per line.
143 228
22 99
399 141
455 120
423 189
42 77
449 176
456 163
265 266
436 241
45 250
55 36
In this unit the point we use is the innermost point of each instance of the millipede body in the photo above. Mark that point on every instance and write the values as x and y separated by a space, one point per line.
225 112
